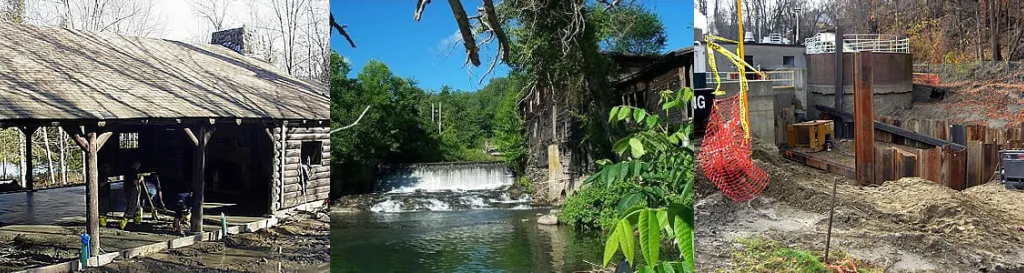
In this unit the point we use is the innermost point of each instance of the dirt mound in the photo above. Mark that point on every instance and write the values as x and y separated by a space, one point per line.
970 230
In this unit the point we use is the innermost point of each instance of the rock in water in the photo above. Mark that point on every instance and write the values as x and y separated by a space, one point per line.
549 219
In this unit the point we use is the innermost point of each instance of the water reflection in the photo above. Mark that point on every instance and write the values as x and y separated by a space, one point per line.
458 241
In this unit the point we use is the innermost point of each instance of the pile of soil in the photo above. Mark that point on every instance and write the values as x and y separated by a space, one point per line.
906 225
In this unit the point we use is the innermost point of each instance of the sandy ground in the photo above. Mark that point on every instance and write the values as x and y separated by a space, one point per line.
910 225
300 246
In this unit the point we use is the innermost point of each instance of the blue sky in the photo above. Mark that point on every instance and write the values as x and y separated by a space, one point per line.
385 30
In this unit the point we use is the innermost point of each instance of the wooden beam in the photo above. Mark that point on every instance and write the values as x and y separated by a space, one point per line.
92 208
863 117
192 136
27 171
202 137
102 139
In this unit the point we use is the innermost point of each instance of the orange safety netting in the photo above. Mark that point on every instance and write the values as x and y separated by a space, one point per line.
726 155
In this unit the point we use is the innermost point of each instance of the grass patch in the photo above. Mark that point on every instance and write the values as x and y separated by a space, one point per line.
764 255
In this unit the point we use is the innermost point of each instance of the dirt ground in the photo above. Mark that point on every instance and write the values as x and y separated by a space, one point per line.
300 246
910 225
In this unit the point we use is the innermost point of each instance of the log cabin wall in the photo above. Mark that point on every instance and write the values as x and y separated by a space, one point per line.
290 145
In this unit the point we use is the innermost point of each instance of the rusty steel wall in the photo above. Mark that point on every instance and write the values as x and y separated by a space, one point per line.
889 69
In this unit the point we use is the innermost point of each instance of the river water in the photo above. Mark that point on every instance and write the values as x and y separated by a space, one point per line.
453 218
479 240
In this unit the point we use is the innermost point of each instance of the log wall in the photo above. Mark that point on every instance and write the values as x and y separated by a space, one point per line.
286 191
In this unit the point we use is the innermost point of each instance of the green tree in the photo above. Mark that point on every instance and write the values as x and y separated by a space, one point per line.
630 29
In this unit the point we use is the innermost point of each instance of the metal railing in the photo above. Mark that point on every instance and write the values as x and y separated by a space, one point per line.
779 78
882 43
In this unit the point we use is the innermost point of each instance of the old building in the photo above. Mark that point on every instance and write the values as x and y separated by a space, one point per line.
639 80
205 118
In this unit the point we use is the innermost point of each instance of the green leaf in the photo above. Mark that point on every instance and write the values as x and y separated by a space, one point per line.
665 222
684 234
625 233
670 105
650 236
645 269
651 121
610 172
637 148
624 112
629 201
620 146
610 247
667 268
613 114
639 115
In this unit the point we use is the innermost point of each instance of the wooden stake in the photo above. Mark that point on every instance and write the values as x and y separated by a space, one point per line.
831 212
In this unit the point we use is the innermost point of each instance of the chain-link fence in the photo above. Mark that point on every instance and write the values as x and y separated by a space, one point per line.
954 72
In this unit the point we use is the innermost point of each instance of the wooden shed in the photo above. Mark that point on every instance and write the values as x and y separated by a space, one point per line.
206 118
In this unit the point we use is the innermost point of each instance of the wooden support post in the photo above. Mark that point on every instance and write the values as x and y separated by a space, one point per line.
27 171
90 139
863 118
200 135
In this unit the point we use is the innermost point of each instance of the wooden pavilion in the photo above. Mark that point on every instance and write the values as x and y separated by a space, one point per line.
205 117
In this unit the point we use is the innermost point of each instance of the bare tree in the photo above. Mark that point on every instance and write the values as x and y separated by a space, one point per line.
128 17
212 12
288 14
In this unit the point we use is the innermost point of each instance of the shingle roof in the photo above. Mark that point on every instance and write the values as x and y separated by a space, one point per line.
61 74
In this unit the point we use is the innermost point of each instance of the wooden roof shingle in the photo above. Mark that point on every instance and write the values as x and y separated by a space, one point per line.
61 74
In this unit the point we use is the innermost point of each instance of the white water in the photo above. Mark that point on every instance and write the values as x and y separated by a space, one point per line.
445 177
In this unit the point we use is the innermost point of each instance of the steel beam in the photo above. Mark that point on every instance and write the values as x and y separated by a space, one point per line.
894 129
863 118
839 82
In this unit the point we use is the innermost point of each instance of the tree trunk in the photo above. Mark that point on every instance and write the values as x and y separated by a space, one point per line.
994 30
49 156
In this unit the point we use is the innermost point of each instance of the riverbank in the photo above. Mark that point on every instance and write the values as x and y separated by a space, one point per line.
301 245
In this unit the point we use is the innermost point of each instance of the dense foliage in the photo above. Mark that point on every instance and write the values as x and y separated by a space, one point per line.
401 125
630 29
656 174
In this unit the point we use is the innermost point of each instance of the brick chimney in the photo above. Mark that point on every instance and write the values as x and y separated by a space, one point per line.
237 39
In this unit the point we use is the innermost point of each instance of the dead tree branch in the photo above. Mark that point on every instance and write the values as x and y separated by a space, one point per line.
421 5
341 29
467 32
353 123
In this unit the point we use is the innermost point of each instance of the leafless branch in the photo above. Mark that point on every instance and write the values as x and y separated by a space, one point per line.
353 123
341 30
421 5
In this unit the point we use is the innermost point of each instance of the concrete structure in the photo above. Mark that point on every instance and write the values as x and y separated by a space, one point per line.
892 66
786 64
765 105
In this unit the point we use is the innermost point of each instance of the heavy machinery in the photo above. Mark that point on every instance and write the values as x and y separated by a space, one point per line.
1011 168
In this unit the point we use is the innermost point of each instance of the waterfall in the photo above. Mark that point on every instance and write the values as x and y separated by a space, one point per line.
432 177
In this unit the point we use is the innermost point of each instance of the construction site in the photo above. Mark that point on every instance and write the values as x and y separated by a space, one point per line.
912 168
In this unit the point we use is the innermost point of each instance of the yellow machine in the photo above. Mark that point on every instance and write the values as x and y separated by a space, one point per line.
810 136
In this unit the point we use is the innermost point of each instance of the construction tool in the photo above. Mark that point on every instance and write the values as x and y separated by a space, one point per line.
1011 169
152 205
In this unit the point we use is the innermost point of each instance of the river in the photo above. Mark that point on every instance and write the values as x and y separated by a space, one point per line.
439 219
494 240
